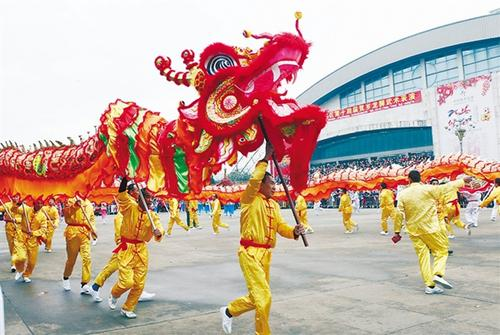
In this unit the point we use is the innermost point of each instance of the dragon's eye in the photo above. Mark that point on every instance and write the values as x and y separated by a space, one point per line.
218 62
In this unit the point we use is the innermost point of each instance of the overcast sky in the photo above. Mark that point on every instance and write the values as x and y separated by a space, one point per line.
62 62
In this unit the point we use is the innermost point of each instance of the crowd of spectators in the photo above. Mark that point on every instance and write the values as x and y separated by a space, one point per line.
372 163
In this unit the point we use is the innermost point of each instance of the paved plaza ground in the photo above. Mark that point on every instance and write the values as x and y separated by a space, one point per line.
342 284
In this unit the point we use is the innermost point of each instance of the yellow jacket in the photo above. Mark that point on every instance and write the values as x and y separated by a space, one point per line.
260 218
173 207
7 210
345 204
494 195
118 226
216 208
136 225
418 203
301 207
53 216
193 206
73 215
37 220
386 199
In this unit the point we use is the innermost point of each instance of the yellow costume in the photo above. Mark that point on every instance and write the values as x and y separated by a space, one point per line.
112 264
133 255
260 220
453 210
173 207
28 237
494 195
10 225
418 203
78 235
386 199
216 214
346 208
52 216
301 208
194 222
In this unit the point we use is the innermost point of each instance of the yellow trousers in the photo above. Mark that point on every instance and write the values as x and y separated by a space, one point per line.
193 219
453 218
387 213
177 220
107 271
79 244
25 253
438 244
50 236
217 222
132 271
10 234
348 222
256 273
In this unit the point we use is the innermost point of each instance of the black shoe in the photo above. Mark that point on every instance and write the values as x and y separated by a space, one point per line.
450 252
12 269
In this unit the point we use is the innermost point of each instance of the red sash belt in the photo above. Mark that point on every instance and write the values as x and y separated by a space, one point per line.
455 203
39 239
80 225
123 244
250 243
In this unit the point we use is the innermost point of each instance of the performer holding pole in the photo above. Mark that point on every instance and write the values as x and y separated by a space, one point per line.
52 215
260 220
137 229
10 225
79 216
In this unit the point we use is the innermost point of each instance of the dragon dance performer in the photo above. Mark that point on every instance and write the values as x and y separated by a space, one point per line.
301 208
494 196
216 215
52 215
10 225
260 220
386 200
194 221
79 216
346 208
112 264
29 236
135 232
453 212
418 203
173 207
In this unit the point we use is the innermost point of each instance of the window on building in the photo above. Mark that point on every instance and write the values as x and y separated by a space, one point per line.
377 88
442 70
480 61
407 80
351 98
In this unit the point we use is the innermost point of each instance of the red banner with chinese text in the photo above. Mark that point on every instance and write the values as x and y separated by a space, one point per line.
375 106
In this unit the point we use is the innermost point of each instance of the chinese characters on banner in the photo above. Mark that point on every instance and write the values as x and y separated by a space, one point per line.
375 106
466 108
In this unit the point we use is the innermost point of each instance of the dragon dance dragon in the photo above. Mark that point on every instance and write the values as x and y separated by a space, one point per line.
235 86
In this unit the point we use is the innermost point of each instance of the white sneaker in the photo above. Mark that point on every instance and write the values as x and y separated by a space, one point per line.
384 233
451 237
112 302
215 233
348 232
433 290
128 314
146 296
27 280
12 268
48 250
18 276
474 225
66 285
95 295
226 321
442 282
85 289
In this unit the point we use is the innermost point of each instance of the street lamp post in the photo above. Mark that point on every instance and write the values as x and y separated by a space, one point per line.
460 133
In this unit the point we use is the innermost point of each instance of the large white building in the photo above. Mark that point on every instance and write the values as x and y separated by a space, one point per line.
421 93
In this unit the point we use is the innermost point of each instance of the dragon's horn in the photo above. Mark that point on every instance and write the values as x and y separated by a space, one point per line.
298 16
59 143
71 141
163 65
248 34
